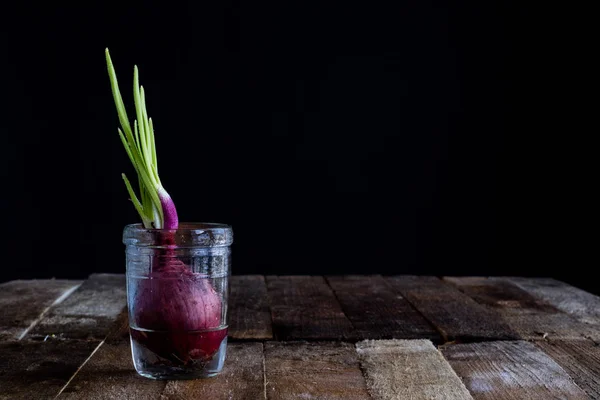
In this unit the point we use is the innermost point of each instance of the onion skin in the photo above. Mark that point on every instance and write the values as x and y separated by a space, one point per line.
170 218
177 304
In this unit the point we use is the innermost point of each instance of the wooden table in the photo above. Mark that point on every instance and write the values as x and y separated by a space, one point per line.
314 337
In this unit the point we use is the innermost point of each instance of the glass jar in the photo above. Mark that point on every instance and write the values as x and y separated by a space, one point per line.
177 290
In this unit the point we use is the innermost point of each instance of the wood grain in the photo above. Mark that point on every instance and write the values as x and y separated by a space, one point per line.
376 311
499 294
408 369
109 374
242 378
249 313
23 303
324 371
510 370
580 304
581 360
304 307
57 337
89 312
530 317
457 316
39 369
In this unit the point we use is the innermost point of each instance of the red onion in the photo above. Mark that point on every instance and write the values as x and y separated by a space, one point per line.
180 306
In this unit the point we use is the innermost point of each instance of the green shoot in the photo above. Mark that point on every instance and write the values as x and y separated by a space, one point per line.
141 150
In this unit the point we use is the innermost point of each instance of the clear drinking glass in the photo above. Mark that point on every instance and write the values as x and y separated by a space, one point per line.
177 290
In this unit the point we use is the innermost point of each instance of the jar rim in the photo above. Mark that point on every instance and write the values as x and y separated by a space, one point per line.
183 226
188 234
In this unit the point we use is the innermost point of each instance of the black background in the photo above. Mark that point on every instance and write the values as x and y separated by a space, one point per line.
409 137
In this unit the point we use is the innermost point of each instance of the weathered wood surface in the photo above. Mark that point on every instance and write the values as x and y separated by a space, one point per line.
39 369
376 311
249 315
499 294
304 307
457 316
88 312
580 304
109 374
530 317
23 303
408 369
59 338
324 371
242 378
581 360
511 370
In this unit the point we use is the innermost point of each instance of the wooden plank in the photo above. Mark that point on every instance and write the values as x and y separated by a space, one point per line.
499 294
87 313
377 312
109 374
581 360
457 316
39 369
510 370
23 303
408 369
242 378
530 317
582 305
304 307
249 313
325 371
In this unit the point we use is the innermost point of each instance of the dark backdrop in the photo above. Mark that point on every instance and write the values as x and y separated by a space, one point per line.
414 137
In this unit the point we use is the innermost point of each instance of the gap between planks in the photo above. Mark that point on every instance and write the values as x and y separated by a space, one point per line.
89 312
290 370
265 383
531 317
378 311
511 370
79 369
59 300
304 307
25 303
